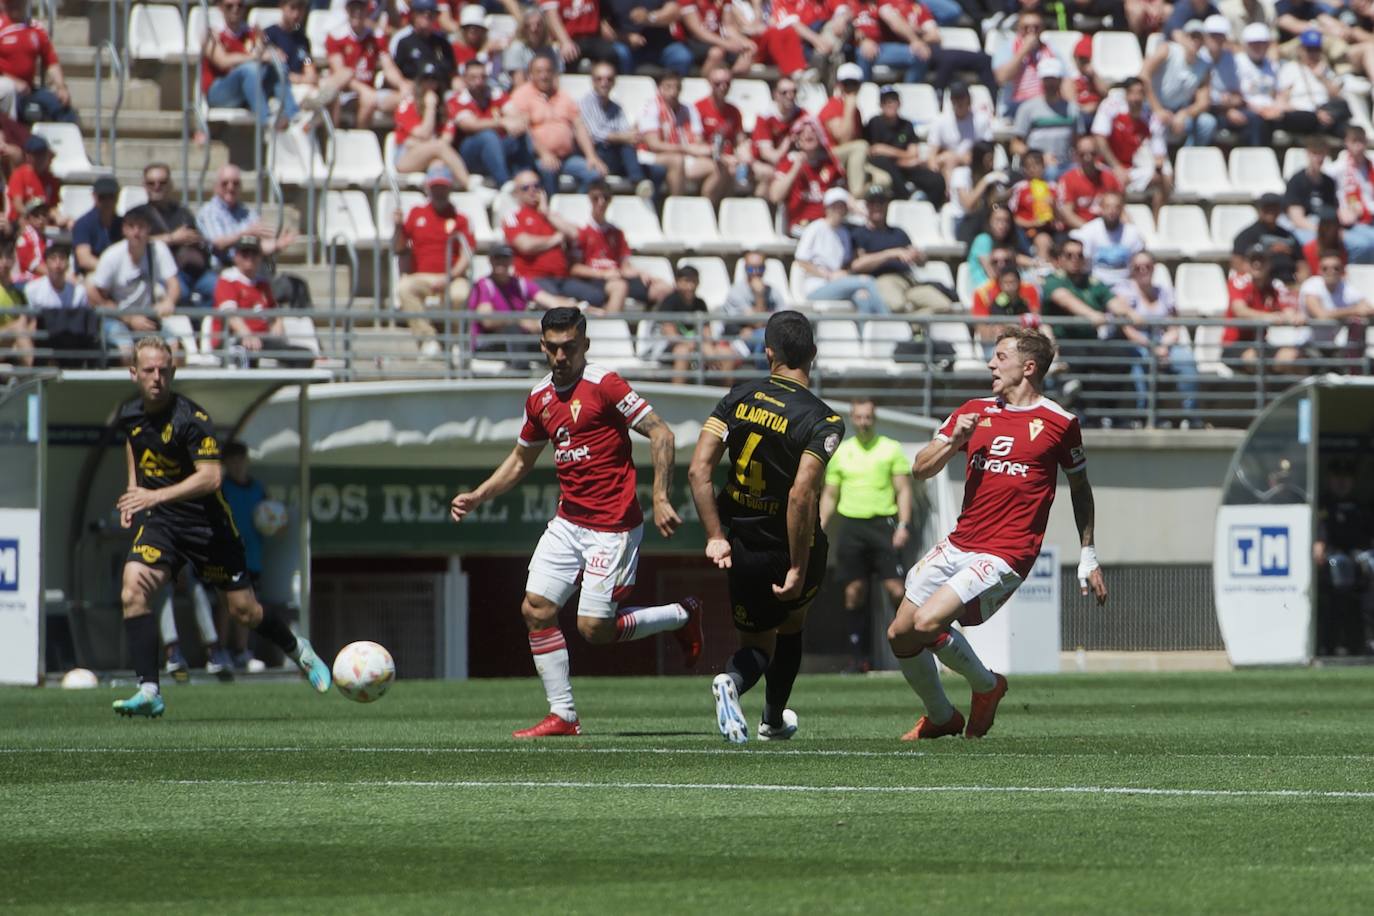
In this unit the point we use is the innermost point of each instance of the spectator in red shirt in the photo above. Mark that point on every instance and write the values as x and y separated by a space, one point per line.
576 28
1131 140
34 179
243 289
440 246
672 132
1081 188
1089 89
845 130
357 55
1004 293
32 83
722 128
772 137
540 239
700 28
603 261
419 131
1259 295
785 36
472 42
239 69
1033 204
800 184
492 140
31 244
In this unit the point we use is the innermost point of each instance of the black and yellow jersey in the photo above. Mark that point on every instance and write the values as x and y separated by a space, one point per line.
166 447
767 425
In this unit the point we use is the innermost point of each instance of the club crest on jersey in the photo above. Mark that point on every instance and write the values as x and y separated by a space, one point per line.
548 396
167 433
576 408
1036 427
831 441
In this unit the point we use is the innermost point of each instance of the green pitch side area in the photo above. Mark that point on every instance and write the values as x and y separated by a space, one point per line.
1246 792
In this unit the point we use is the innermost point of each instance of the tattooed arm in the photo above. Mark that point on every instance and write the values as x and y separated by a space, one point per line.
1084 516
663 447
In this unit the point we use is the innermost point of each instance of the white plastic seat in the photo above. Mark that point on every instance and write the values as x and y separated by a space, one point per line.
179 327
387 205
963 284
838 346
579 84
1227 222
653 265
1063 43
349 214
357 158
880 338
1200 174
636 217
317 28
1185 228
1116 56
747 223
613 344
957 39
1294 161
752 98
300 332
1143 218
1361 276
156 32
691 223
935 272
70 162
406 179
1200 290
75 200
196 30
957 335
917 103
130 196
575 208
1207 350
501 27
1255 171
295 159
920 221
264 17
714 280
694 89
633 93
796 283
474 209
1161 276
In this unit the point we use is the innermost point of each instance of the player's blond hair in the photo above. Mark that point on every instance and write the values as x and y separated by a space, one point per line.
151 342
1032 344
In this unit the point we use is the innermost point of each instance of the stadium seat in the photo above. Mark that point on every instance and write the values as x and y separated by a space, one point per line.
1361 276
575 208
70 162
474 209
264 17
1200 290
691 223
1116 56
295 159
747 223
179 327
579 84
613 344
634 93
979 98
963 284
406 179
317 27
752 98
935 272
637 218
1294 161
839 347
130 196
715 281
357 158
1153 41
75 200
156 32
967 357
1185 228
922 223
196 30
880 338
1207 349
1143 218
694 89
347 214
1162 277
300 332
1255 171
796 279
1227 222
957 39
774 274
1200 174
654 266
994 39
387 205
501 28
1062 43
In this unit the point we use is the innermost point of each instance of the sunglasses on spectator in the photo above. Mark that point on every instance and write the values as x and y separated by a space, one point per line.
1144 268
527 186
754 271
787 92
1029 28
156 183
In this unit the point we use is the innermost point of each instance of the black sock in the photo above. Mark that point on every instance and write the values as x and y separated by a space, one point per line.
746 667
274 629
782 674
141 633
857 633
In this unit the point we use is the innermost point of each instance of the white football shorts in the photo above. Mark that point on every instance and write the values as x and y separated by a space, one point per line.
982 581
607 561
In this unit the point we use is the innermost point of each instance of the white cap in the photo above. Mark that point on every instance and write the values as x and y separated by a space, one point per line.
473 14
1193 26
1217 24
849 71
1050 69
1256 32
836 196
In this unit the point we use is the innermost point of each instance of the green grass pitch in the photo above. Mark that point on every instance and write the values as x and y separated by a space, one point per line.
1244 792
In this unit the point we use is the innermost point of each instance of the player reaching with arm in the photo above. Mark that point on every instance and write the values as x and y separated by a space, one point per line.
588 412
1016 441
174 476
762 528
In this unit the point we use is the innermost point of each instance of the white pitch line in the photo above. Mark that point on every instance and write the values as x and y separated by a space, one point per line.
775 787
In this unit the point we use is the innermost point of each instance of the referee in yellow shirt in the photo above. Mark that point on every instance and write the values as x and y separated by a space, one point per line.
868 483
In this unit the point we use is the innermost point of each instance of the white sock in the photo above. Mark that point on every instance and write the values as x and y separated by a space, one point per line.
550 652
205 618
149 688
167 621
923 675
639 622
953 649
301 645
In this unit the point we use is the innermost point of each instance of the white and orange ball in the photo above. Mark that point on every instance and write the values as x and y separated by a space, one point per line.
363 671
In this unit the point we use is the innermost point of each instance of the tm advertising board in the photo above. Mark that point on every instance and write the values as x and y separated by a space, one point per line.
1262 574
19 596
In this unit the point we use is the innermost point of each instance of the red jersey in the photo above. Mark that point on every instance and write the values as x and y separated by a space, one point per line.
1241 286
1084 195
361 53
25 184
234 290
580 17
805 200
1033 201
242 42
1014 457
773 127
408 116
590 424
723 121
429 233
787 13
28 254
602 247
834 108
465 107
708 10
551 263
986 295
23 47
1125 133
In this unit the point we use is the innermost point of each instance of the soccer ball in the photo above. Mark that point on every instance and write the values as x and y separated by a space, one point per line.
269 517
363 671
79 679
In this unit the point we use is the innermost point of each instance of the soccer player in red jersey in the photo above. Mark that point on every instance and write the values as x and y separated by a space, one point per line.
588 412
1016 441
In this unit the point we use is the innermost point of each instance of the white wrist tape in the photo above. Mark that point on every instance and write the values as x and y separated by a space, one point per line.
1087 562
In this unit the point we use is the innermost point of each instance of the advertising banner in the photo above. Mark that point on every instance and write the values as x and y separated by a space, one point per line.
20 596
1023 637
1261 575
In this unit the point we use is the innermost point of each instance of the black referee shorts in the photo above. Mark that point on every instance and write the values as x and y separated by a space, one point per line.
753 573
864 549
215 552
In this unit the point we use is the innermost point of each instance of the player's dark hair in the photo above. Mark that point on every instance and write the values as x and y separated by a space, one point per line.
790 336
563 319
1032 344
235 449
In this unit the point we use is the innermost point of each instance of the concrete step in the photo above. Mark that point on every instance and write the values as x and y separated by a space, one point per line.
138 94
139 151
75 31
136 123
316 277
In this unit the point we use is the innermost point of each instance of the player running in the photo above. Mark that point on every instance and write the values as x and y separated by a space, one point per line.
174 477
588 412
1016 440
780 437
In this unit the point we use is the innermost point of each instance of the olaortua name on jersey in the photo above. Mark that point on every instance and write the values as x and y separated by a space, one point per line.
589 425
1014 457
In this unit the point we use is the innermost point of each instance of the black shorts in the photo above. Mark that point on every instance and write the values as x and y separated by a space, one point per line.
215 552
753 573
863 548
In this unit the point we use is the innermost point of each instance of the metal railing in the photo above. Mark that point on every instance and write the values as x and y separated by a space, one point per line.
119 71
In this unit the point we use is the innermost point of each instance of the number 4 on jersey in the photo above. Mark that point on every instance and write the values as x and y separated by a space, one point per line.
749 473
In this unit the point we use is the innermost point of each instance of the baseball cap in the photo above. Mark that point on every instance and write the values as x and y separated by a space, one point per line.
36 144
1217 24
1193 26
1270 200
1084 49
502 251
248 243
877 192
1050 69
438 174
1311 39
1256 32
849 73
957 90
105 186
473 14
34 204
836 196
889 92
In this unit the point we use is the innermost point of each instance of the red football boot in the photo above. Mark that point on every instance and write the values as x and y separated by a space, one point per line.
689 634
552 726
927 729
984 707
